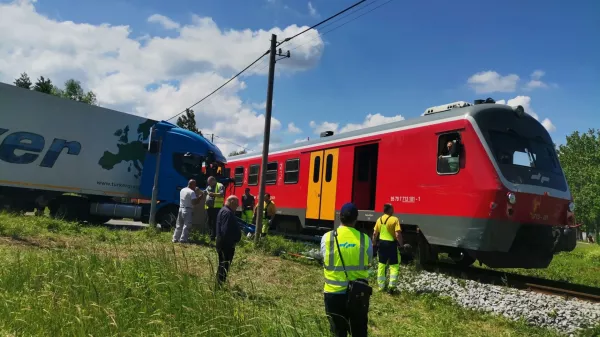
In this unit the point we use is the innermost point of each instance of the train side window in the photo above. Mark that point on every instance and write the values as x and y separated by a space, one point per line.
292 168
253 174
317 169
448 153
328 167
239 176
271 177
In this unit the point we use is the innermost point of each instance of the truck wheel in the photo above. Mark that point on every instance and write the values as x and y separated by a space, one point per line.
167 218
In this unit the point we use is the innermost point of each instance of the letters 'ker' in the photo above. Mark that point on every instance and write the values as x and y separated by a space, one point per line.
33 144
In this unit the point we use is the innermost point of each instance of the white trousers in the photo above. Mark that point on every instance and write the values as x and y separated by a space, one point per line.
184 224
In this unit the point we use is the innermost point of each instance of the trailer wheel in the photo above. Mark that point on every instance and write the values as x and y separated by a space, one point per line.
167 218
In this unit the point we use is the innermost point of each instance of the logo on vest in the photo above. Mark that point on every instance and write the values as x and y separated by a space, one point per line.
347 245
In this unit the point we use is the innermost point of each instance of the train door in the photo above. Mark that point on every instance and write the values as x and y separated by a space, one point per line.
322 185
365 176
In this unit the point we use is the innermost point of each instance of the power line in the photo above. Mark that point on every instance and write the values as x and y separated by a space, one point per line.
345 23
224 84
320 23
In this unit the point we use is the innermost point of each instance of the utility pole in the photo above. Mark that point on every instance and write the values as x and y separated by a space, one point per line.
212 138
155 187
267 135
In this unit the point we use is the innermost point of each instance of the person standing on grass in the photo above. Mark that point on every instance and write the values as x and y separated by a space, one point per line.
228 234
248 202
387 237
346 255
189 197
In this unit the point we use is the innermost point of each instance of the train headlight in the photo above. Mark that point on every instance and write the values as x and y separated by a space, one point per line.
512 198
571 207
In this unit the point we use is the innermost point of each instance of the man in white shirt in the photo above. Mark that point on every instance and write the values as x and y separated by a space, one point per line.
189 197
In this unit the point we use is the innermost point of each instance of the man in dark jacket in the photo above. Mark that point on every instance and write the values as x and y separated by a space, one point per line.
228 235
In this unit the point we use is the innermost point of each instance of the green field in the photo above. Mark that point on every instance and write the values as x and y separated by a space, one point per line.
581 266
60 278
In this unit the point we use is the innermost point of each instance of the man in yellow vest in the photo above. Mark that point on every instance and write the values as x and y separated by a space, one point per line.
269 210
346 254
214 202
387 235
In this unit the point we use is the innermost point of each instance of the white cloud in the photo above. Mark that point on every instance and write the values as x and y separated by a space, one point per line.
370 120
491 81
300 140
324 126
547 123
163 21
179 70
260 106
535 81
525 102
312 10
292 128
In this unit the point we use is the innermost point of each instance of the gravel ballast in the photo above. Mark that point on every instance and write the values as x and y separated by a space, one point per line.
549 311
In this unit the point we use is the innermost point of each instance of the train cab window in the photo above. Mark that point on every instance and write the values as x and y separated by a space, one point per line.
253 174
448 153
271 177
292 167
239 176
189 166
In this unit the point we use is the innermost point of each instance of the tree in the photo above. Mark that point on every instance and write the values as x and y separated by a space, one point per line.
237 153
23 81
44 85
580 160
74 91
188 121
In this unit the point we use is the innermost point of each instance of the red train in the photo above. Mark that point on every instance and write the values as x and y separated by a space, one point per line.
476 181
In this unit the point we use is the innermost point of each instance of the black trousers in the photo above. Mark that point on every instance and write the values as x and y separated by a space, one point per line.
343 320
388 252
225 252
211 214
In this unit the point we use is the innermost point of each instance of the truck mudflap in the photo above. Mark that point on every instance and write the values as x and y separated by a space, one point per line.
566 239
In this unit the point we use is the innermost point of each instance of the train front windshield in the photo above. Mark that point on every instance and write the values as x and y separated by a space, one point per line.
525 160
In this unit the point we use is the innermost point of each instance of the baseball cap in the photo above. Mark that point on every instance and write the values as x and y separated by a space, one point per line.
349 210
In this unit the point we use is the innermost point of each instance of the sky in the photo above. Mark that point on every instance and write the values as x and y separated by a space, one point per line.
389 60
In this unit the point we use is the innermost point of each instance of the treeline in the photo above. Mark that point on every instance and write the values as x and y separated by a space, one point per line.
72 89
580 160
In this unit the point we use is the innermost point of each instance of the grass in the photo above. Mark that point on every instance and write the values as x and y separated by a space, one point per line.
60 278
581 266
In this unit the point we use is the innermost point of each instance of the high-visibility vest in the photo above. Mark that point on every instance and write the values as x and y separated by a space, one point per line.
354 247
219 200
384 234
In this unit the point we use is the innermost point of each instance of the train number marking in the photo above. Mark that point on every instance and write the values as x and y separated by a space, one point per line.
405 199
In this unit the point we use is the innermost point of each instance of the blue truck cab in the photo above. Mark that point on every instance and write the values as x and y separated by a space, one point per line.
184 155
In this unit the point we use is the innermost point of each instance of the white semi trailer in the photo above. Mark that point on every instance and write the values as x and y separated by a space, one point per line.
85 162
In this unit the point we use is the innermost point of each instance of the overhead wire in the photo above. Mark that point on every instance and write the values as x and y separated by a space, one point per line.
222 85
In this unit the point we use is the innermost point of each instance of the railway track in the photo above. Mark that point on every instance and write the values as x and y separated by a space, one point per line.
541 285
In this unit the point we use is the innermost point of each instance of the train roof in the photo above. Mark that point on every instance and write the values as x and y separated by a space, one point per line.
458 111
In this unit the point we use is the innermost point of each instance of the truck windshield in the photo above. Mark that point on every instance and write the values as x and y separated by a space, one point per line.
526 161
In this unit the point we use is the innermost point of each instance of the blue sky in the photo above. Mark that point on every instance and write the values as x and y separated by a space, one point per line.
400 58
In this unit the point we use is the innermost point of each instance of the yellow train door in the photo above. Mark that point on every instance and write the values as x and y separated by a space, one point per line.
322 184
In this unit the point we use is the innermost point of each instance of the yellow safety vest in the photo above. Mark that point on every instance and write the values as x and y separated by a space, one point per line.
354 246
384 234
219 200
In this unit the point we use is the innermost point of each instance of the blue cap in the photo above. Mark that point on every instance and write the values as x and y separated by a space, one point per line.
349 209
